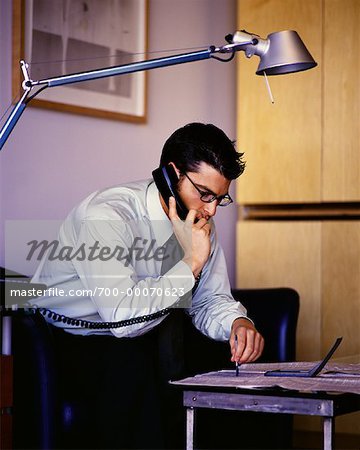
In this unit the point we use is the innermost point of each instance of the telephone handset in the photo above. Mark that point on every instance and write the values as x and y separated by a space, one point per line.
166 180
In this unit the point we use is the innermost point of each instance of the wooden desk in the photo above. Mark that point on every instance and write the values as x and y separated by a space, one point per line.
220 390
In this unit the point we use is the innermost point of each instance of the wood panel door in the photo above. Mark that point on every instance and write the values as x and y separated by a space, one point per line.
281 141
321 260
288 254
340 287
341 101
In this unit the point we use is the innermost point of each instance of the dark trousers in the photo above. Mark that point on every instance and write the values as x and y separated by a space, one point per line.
124 385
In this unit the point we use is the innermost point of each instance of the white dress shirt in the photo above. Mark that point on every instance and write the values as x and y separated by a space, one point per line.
107 267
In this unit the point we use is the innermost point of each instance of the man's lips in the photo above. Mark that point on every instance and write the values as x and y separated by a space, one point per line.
201 216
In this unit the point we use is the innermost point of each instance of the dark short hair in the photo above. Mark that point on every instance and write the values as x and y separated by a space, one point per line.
194 143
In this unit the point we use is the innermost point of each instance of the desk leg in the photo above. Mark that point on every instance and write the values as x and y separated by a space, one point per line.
190 419
328 433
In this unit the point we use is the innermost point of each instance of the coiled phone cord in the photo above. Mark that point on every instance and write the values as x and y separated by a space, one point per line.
54 316
101 325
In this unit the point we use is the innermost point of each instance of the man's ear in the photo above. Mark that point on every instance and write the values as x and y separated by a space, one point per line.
175 168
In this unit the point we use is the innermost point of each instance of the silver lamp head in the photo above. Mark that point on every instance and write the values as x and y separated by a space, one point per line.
285 53
282 52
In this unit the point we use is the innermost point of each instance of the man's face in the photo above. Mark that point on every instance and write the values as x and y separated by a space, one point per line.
207 180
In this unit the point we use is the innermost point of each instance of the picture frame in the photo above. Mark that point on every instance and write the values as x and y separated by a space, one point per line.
63 37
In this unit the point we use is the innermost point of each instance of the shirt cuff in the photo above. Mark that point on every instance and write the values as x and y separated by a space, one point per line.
229 320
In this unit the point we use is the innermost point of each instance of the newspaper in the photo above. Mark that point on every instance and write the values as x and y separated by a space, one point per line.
334 377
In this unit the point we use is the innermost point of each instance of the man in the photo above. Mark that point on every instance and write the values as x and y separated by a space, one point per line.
112 265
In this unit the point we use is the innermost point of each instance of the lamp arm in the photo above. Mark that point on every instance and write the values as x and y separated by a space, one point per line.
125 69
29 84
13 118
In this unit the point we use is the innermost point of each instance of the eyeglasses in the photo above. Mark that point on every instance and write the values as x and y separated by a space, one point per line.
208 197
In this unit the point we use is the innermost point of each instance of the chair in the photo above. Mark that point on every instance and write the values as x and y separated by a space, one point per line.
274 312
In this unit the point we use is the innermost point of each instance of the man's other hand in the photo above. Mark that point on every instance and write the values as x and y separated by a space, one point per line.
249 343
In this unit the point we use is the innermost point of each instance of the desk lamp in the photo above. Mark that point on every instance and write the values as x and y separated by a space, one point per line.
280 53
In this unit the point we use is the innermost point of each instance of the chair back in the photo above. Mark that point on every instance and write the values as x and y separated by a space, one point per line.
275 313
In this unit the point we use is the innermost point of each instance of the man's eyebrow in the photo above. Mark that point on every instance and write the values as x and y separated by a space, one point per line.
208 190
205 188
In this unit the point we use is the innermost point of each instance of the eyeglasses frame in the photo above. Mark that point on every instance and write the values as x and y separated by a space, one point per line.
218 198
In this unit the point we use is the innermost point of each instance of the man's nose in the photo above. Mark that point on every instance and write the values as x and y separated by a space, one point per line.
210 208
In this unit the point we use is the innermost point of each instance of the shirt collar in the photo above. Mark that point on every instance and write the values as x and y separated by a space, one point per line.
160 222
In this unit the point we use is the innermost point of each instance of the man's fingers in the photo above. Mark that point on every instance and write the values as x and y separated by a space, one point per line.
173 215
191 216
200 223
203 224
259 345
240 343
207 228
248 347
252 350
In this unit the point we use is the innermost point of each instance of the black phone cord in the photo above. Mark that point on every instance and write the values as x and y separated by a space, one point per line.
101 325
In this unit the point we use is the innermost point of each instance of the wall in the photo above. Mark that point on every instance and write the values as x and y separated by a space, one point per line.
52 160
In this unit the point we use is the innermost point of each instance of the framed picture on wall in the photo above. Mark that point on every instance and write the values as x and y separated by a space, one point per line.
61 37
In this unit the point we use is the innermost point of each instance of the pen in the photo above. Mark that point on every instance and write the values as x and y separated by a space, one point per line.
236 364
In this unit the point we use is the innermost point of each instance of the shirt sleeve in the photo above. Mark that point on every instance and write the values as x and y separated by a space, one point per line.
213 307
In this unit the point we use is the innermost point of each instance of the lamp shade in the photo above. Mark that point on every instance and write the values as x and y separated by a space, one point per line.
285 53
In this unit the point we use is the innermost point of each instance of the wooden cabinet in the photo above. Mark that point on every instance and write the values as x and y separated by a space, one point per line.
284 254
321 260
340 287
281 141
341 101
301 186
305 147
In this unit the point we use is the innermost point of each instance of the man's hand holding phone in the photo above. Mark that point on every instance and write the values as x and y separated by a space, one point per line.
194 237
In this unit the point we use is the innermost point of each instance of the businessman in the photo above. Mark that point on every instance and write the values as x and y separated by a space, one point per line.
127 264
